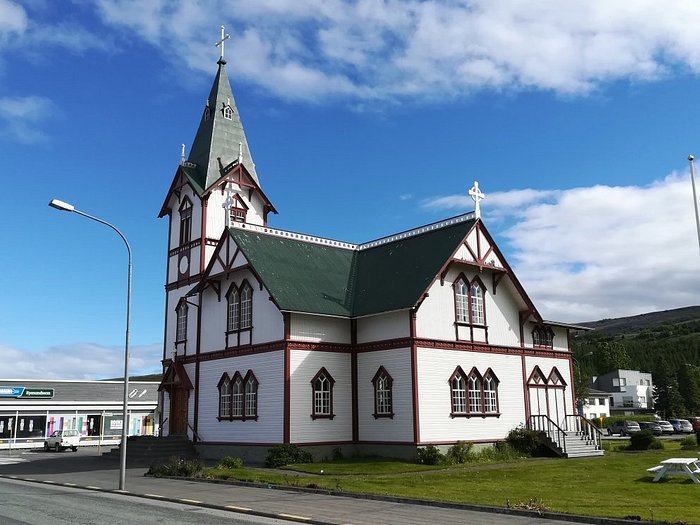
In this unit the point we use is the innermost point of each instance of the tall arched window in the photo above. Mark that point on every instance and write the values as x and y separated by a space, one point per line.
490 392
458 392
383 402
477 303
251 396
462 301
237 396
246 306
224 396
185 222
322 390
181 330
233 309
475 399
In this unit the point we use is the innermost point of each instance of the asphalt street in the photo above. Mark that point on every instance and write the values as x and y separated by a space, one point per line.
92 473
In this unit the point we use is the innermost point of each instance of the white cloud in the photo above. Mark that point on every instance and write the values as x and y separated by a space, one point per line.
13 20
384 49
80 361
590 253
20 116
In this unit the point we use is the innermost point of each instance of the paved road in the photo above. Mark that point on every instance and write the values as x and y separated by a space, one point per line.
23 503
86 469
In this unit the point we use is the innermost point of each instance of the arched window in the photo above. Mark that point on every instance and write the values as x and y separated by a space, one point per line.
185 222
246 306
383 402
543 337
477 303
237 396
233 309
475 399
224 396
181 330
461 301
490 392
458 392
251 396
322 390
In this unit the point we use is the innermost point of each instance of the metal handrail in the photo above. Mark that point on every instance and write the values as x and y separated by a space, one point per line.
553 431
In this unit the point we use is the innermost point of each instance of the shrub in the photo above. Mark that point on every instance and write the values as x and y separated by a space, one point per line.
336 454
500 451
177 467
282 455
460 452
430 455
526 441
644 440
689 442
230 462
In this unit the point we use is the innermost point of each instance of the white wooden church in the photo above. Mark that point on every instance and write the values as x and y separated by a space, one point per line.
271 336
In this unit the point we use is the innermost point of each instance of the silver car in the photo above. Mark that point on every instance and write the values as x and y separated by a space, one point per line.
666 427
681 426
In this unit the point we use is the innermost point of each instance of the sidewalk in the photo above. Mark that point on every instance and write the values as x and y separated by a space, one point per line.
86 469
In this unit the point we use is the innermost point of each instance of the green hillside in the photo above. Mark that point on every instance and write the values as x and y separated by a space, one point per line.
666 344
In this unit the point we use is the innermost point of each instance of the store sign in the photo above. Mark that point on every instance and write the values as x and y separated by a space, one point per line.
37 393
20 392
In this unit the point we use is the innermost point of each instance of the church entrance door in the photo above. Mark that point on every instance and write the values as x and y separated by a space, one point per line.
178 411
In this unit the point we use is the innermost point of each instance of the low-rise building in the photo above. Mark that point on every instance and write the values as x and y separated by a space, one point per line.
32 409
596 405
630 391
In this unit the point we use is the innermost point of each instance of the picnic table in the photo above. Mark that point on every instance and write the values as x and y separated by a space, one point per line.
677 467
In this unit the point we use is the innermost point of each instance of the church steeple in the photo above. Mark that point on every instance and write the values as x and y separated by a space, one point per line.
220 131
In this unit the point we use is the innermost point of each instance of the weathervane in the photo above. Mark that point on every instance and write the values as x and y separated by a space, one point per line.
224 37
476 195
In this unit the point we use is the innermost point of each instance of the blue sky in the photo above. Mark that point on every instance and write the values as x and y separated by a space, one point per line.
364 118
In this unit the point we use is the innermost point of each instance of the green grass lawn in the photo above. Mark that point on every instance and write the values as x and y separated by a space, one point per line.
616 485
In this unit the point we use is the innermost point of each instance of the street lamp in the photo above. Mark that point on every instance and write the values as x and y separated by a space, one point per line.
695 198
64 206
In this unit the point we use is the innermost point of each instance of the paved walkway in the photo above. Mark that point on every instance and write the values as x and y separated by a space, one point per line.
87 470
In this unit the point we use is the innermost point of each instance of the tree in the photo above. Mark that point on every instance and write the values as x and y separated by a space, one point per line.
612 355
689 388
668 401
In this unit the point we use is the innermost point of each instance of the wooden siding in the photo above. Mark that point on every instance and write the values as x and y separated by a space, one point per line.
434 370
269 371
393 325
319 329
397 363
303 367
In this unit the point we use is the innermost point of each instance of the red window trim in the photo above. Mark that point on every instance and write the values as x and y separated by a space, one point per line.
454 414
186 206
462 277
182 304
330 415
543 331
482 400
225 377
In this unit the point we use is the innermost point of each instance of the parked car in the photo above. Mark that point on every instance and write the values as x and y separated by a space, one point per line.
624 428
651 425
666 427
681 426
695 421
62 439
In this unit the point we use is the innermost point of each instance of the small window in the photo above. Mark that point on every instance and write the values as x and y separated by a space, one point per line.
322 390
383 403
181 331
475 400
458 392
542 337
490 383
237 214
228 112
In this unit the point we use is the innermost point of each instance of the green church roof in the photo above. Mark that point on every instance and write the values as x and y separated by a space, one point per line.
380 276
217 139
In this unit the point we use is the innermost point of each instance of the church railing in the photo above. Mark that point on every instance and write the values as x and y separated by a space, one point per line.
586 429
554 432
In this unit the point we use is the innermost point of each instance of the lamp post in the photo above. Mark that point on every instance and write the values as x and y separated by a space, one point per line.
695 198
64 206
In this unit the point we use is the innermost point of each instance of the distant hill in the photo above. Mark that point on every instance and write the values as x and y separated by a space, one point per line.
637 323
673 334
149 377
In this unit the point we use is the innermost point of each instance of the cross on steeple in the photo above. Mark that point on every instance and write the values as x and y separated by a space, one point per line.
220 43
477 196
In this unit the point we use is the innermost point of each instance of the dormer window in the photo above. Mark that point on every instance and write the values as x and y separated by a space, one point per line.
228 112
542 337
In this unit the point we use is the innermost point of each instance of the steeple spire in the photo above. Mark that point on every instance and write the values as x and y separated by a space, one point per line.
220 130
